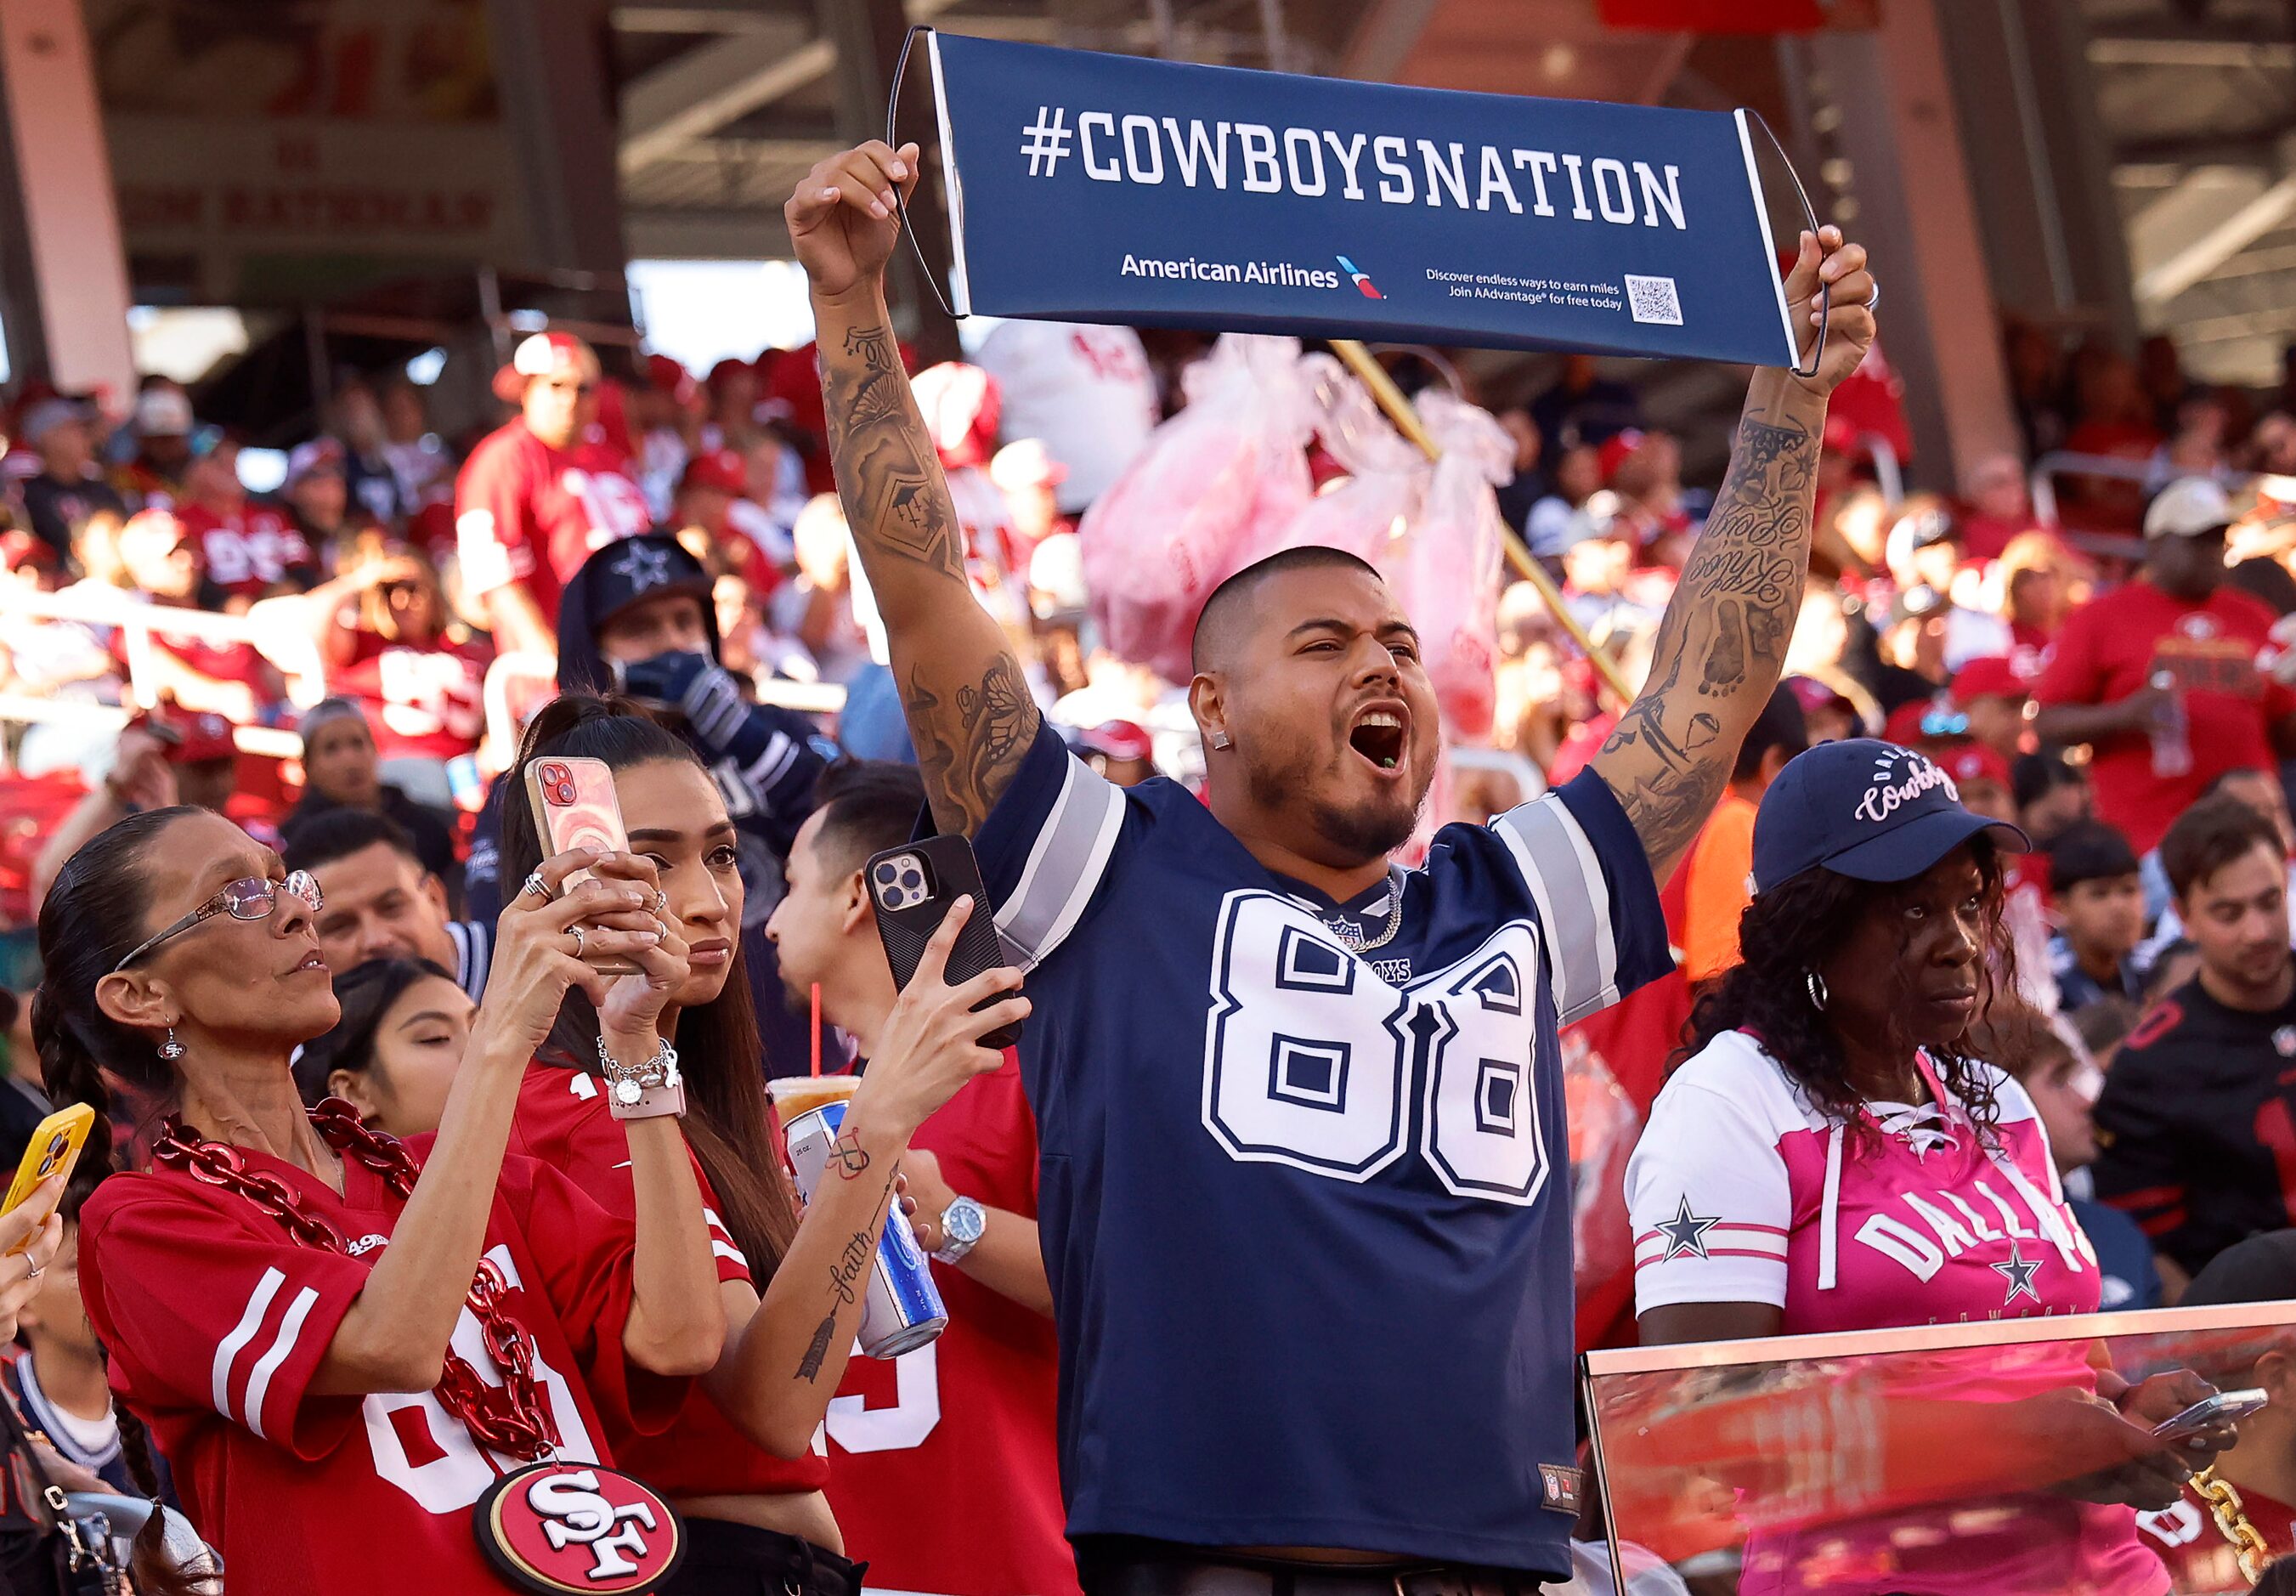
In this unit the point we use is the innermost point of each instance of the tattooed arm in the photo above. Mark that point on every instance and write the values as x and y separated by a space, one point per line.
969 709
787 1352
1723 642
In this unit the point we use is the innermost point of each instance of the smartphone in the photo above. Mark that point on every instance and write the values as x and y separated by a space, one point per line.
2222 1408
575 807
911 888
56 1146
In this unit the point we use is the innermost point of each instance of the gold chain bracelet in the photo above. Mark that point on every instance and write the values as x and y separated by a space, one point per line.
2225 1504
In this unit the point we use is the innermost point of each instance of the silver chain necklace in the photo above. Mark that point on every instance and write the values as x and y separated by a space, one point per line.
1354 939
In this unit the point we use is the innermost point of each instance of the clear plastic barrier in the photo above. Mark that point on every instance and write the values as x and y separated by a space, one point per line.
1945 1460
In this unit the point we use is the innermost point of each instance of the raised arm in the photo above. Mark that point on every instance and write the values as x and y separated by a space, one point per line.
1723 642
969 709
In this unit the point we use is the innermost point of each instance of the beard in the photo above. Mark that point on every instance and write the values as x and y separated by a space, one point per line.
1372 829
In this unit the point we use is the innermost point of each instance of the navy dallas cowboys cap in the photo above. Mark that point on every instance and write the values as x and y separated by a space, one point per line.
1864 809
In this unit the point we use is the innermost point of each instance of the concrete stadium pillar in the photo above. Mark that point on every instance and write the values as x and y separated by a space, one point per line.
63 272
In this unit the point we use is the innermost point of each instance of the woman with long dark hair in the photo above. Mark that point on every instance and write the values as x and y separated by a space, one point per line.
344 1343
1831 1155
739 1462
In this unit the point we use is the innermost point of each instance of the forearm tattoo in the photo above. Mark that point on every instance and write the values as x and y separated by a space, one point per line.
896 500
1722 644
971 741
849 1268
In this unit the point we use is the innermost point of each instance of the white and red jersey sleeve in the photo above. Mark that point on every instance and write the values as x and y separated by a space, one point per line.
1708 1191
204 1308
495 535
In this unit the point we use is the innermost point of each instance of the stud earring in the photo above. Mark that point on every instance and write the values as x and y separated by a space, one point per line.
1220 739
171 1049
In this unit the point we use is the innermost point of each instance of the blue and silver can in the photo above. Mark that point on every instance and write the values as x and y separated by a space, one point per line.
901 1308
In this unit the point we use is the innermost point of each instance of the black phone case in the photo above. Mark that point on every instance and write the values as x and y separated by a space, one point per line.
951 873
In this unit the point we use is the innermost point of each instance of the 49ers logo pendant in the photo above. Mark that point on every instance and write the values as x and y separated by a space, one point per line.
555 1528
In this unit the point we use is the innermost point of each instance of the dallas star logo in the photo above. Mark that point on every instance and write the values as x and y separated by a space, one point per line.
1686 1233
644 567
2018 1271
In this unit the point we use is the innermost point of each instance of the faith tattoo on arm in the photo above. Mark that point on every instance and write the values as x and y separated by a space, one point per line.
1722 643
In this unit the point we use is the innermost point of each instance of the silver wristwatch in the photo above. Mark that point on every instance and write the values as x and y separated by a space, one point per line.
962 1225
644 1090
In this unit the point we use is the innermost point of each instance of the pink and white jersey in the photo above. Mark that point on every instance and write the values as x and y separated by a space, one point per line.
1740 1190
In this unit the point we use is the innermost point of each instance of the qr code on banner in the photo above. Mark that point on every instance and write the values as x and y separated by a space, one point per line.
1653 300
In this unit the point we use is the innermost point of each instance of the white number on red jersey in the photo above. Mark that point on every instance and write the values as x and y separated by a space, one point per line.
428 1453
1309 1055
613 505
427 693
857 1426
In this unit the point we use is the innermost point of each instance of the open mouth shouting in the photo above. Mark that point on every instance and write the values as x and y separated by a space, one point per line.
1379 733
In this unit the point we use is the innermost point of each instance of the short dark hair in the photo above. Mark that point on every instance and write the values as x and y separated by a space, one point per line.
338 833
2035 776
2089 850
866 806
2211 835
1217 620
1780 725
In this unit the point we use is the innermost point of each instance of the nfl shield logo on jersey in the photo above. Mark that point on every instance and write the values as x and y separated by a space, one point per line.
576 1526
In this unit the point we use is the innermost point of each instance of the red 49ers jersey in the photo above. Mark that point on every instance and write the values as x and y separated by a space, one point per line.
530 515
216 1322
563 1122
425 702
250 551
945 1474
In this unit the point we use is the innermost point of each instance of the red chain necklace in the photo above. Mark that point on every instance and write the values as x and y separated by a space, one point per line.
509 1417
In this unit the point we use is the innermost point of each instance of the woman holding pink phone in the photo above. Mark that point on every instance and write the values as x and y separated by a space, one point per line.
738 1463
360 1353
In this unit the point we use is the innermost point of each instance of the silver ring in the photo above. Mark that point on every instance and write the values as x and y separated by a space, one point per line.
537 885
34 1272
1873 298
576 930
661 901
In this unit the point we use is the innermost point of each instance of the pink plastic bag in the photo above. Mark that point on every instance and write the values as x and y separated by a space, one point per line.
1212 480
1445 571
1366 511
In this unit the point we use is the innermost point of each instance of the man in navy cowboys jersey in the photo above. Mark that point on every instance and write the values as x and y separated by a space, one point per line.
1305 1203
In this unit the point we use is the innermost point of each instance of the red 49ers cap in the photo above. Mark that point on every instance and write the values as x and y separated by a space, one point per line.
1994 676
719 468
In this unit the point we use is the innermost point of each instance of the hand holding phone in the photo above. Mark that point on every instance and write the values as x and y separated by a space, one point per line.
911 888
2225 1407
55 1148
574 807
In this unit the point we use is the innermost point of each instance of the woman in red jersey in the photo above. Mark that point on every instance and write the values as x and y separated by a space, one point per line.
739 1463
344 1344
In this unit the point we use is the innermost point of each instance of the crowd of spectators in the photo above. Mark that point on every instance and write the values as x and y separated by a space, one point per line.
2115 672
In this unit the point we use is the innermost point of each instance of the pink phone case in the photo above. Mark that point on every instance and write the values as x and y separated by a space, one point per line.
575 807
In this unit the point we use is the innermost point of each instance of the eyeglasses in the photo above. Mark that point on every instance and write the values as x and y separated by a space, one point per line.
252 897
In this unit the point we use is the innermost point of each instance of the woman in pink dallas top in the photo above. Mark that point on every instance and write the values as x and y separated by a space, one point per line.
1827 1159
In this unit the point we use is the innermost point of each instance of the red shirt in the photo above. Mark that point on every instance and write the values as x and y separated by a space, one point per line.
946 1478
250 550
2112 647
216 1322
2199 1558
223 662
422 703
528 514
563 1121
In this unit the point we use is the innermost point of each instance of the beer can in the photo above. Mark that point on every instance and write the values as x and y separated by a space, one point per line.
901 1307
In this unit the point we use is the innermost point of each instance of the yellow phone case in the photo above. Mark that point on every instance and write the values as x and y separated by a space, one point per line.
55 1145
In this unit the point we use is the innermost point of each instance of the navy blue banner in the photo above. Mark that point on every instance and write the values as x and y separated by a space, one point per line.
1091 187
